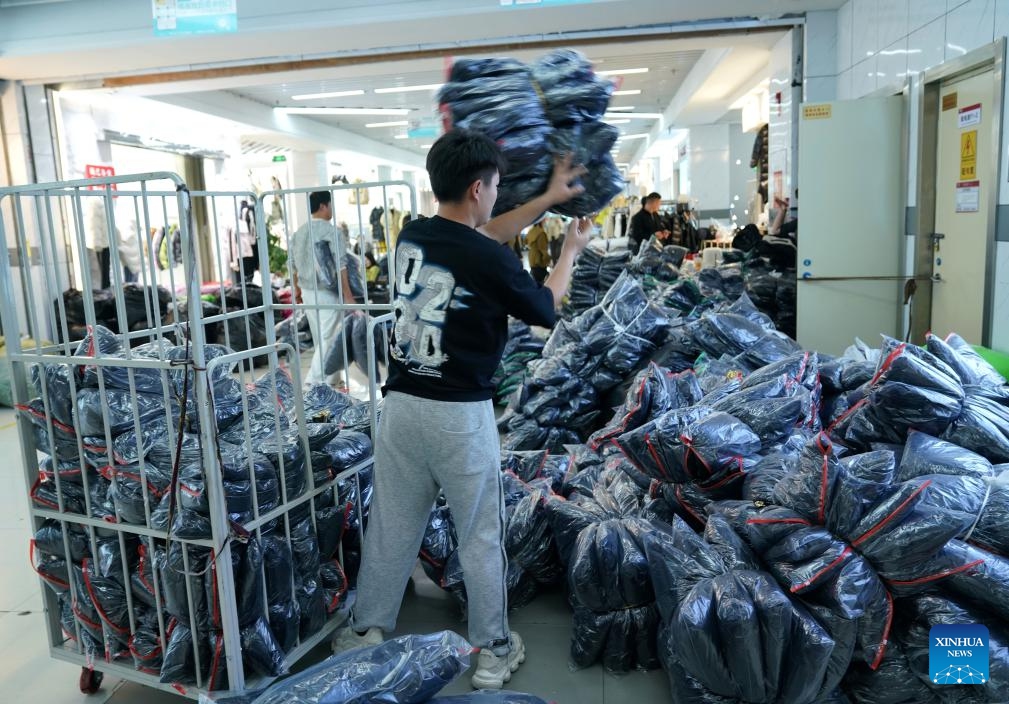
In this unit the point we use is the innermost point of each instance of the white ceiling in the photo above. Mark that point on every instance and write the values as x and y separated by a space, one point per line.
667 69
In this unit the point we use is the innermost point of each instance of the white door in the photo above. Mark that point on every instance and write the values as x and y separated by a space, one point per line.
962 189
851 224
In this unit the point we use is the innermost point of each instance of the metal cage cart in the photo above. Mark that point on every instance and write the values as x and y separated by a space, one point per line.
193 507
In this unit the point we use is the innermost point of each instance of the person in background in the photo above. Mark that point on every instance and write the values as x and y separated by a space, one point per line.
539 252
780 228
455 288
555 233
646 222
323 322
371 268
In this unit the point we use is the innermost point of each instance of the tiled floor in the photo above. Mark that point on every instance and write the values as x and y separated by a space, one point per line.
26 668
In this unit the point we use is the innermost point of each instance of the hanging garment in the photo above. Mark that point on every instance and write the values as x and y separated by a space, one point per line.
759 160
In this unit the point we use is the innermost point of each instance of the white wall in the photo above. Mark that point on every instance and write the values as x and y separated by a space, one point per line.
742 179
881 42
887 44
709 167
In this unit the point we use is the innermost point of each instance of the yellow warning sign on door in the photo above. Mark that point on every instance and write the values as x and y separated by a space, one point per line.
968 155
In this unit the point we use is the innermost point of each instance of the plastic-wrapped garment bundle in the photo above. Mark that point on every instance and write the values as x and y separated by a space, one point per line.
915 389
608 569
438 544
971 367
810 562
982 426
529 541
771 409
498 97
145 643
924 455
653 392
404 670
727 333
49 539
917 617
691 445
538 464
728 629
622 640
182 578
572 92
893 682
324 404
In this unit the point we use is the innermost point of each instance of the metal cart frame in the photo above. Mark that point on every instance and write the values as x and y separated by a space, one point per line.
45 222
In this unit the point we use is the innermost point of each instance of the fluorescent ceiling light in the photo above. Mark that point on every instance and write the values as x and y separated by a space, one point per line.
625 108
402 136
426 146
642 135
319 96
408 89
627 92
342 111
394 123
616 122
621 71
633 115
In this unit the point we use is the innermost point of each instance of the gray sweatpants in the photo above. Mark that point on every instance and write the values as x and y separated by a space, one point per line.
424 446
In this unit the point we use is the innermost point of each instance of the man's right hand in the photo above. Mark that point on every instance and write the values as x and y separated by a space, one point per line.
297 296
561 189
578 236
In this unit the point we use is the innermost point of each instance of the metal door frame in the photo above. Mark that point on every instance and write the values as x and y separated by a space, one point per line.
989 56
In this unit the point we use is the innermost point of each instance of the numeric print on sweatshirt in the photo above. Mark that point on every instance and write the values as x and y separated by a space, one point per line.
423 294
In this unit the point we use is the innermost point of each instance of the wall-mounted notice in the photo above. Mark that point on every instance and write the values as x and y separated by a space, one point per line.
968 155
174 17
968 196
970 115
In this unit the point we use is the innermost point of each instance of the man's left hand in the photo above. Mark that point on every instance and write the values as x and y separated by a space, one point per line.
561 188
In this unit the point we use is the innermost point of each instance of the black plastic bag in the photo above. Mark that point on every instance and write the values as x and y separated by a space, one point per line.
260 650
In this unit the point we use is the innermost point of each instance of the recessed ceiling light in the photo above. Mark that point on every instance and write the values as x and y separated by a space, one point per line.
625 108
342 111
426 146
409 89
402 136
633 115
642 135
616 122
318 96
627 92
621 71
394 123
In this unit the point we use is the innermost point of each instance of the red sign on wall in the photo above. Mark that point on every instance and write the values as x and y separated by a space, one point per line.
99 171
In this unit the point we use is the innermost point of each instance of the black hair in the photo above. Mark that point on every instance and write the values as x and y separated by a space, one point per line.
459 158
650 197
317 199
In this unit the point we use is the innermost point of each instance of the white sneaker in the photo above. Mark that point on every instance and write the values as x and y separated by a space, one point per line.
492 671
346 639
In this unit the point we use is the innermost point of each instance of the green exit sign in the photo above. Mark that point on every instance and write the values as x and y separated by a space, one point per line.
279 158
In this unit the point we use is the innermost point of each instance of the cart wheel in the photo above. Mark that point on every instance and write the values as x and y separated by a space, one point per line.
90 680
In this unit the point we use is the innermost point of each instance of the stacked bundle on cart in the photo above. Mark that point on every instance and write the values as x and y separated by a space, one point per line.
122 444
535 113
523 346
559 401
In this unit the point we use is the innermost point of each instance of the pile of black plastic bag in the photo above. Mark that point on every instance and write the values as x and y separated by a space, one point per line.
109 434
767 523
594 274
536 113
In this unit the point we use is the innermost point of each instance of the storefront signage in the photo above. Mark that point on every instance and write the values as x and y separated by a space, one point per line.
99 171
968 196
279 158
174 17
949 102
821 111
968 155
970 115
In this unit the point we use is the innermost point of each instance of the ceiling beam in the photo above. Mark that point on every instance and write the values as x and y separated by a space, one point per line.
680 30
